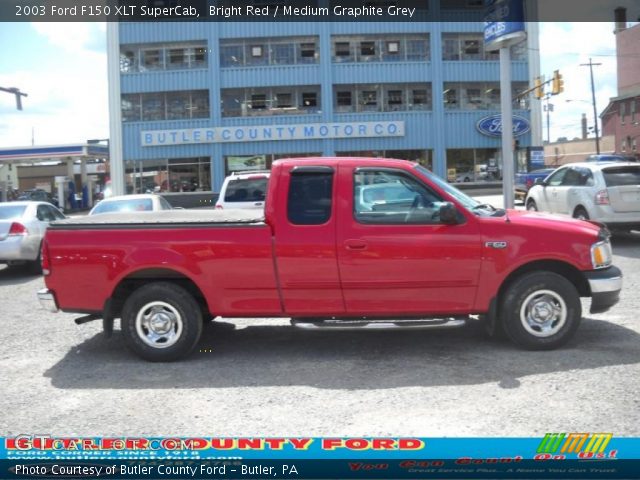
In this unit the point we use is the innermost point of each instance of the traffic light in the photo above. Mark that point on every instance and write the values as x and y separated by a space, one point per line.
538 89
557 84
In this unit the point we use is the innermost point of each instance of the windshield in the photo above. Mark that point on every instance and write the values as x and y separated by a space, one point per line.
11 212
463 198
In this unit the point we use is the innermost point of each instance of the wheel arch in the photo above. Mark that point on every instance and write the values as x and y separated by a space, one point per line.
570 272
134 280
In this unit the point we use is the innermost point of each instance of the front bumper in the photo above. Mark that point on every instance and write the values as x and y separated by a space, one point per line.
605 287
47 300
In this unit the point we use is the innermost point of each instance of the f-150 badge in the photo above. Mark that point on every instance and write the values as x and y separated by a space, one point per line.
496 244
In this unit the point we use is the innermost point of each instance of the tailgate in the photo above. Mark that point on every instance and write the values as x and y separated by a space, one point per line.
623 185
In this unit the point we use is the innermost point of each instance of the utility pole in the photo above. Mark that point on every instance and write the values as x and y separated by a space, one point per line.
548 108
593 101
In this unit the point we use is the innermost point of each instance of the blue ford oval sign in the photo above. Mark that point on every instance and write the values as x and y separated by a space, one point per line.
491 126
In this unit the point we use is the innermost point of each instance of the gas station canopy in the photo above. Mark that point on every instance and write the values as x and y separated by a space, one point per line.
54 153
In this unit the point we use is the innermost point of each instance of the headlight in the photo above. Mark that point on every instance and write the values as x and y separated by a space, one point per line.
601 255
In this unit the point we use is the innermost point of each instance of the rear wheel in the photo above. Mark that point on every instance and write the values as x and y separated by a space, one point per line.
531 205
541 311
581 214
161 322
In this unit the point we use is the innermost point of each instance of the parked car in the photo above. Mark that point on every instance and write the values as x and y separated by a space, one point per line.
605 191
22 227
316 256
464 177
524 181
146 202
38 195
246 190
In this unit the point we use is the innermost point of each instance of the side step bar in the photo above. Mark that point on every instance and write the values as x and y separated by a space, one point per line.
369 324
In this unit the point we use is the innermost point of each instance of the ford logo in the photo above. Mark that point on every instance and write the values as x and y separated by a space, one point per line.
491 126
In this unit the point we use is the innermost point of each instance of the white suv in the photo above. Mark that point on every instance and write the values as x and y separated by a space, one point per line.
606 192
244 190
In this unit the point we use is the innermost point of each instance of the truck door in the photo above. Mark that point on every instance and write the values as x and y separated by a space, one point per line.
394 254
305 241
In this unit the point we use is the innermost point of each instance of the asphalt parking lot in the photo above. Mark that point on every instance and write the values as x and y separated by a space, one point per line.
263 377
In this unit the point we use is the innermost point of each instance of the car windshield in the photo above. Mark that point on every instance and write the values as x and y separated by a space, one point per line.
246 190
463 198
132 205
11 212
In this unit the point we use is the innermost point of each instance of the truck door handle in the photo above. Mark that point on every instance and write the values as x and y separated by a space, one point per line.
355 245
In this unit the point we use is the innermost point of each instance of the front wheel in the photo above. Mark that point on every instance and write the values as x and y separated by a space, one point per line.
161 322
541 311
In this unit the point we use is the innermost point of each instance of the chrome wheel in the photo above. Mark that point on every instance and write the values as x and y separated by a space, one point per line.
159 324
543 313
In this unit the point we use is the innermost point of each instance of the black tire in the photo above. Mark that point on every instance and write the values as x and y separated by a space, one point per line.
580 213
177 318
35 266
531 205
555 297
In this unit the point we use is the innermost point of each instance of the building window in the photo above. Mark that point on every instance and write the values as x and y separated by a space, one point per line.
343 51
258 101
368 100
388 48
393 47
387 97
473 165
478 95
284 100
165 105
307 52
367 49
272 51
242 102
623 112
309 99
152 60
465 46
632 110
343 99
256 50
395 100
145 58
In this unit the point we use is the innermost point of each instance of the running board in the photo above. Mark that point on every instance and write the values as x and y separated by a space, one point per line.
378 324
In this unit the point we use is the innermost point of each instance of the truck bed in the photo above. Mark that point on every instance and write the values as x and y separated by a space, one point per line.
166 218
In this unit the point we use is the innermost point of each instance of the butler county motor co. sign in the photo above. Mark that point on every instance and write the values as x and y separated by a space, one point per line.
302 131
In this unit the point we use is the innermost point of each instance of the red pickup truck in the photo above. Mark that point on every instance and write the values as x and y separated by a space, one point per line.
342 242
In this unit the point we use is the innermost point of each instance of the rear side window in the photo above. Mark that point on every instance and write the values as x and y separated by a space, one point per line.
310 197
621 176
10 212
246 190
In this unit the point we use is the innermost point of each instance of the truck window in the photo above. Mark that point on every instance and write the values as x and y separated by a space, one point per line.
388 197
310 197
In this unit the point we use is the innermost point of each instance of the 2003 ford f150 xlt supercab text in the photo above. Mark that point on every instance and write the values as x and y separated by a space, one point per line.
342 242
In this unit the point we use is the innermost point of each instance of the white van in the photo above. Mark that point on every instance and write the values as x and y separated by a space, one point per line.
244 190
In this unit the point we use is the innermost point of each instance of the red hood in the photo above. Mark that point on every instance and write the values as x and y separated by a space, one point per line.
555 222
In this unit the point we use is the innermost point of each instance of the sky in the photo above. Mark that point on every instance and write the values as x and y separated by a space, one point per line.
63 69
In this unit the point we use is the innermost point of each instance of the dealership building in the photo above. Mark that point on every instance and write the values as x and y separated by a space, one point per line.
192 102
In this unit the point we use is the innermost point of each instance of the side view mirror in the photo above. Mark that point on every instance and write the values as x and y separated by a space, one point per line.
448 214
539 181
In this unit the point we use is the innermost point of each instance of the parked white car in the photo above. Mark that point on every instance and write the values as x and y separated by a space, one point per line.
146 202
246 190
606 192
22 227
